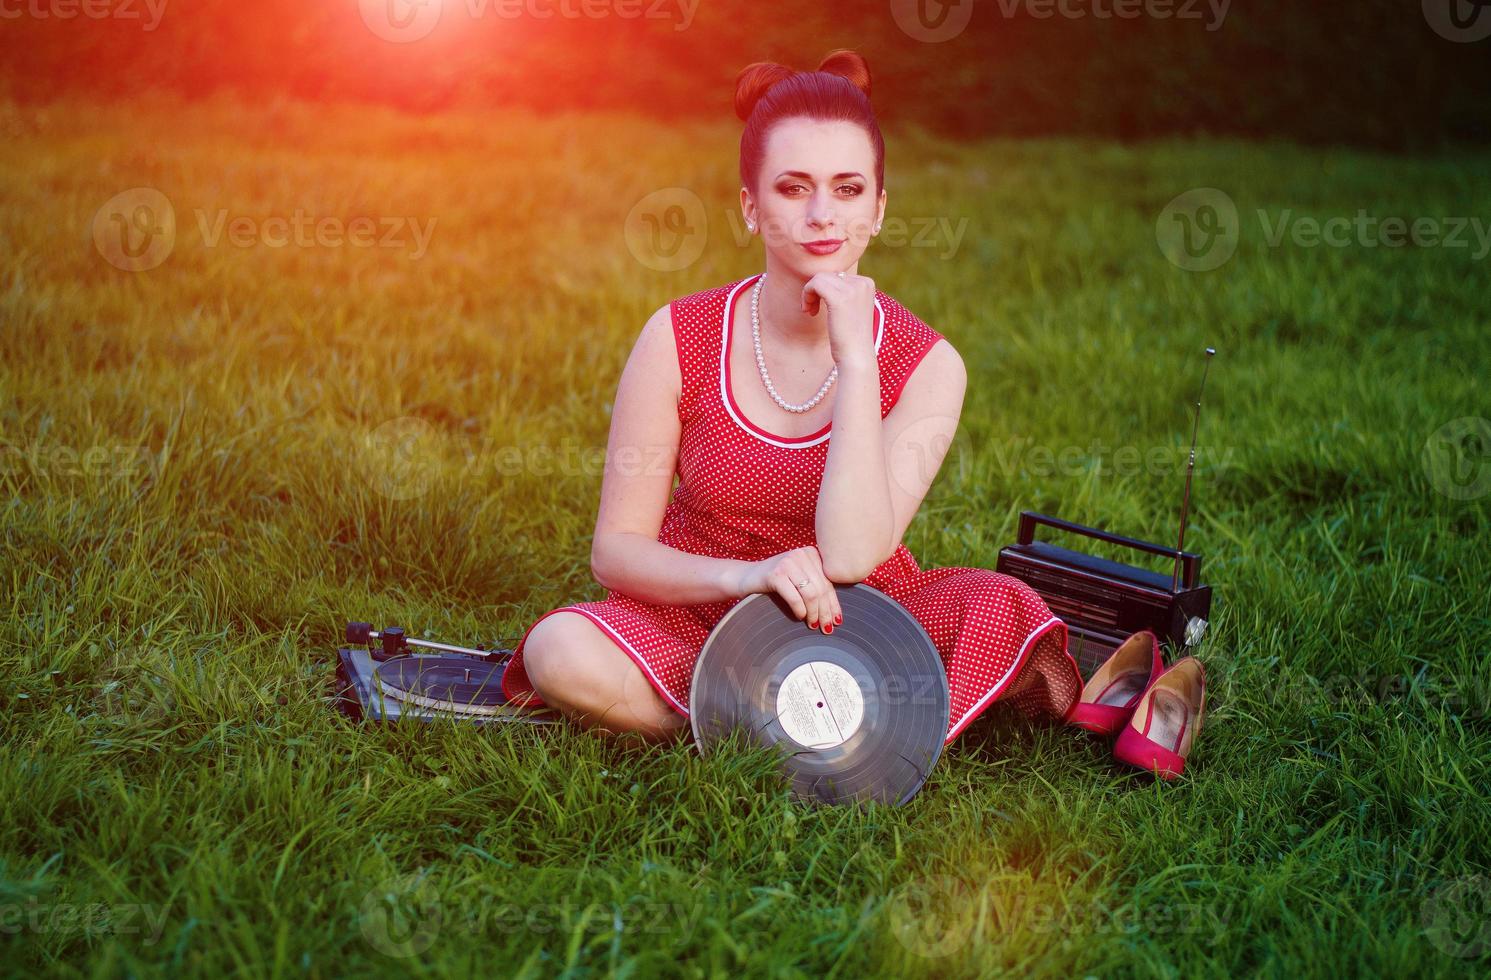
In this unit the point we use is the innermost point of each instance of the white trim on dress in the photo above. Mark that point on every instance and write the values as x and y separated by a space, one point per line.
982 702
725 353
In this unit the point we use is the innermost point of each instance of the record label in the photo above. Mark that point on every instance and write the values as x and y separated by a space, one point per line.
859 715
820 705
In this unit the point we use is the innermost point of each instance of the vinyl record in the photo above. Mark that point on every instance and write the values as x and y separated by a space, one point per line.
458 684
860 714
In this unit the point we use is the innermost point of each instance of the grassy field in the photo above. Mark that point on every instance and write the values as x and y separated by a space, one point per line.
211 464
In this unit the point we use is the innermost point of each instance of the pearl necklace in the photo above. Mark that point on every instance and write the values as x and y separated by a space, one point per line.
771 389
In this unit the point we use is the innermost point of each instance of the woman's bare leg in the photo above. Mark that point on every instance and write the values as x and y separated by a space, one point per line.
579 670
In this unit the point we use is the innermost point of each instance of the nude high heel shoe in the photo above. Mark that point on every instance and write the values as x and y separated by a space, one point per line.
1164 725
1110 696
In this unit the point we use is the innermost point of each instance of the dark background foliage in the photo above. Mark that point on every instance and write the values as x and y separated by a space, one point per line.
1371 72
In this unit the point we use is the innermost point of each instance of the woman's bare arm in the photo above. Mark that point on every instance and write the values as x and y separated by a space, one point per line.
641 455
878 471
853 514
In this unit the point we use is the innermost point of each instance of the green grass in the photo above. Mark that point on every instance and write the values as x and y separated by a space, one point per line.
176 797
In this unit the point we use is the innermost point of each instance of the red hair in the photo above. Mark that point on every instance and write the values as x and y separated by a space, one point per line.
766 93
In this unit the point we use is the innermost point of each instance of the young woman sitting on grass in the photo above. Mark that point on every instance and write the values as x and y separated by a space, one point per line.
805 413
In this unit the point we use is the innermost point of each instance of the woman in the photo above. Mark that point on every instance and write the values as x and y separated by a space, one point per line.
738 387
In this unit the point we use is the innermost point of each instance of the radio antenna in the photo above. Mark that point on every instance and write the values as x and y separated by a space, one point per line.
1185 501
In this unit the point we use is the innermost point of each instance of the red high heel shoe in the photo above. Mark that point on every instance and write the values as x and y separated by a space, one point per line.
1111 695
1171 709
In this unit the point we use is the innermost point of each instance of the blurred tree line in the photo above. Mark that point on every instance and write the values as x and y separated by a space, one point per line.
1371 72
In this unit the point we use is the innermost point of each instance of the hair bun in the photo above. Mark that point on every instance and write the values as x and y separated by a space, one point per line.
851 65
758 77
753 81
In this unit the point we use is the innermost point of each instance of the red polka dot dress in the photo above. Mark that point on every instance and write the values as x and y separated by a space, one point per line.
746 493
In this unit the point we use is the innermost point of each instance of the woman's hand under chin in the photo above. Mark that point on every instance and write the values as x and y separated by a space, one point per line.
851 313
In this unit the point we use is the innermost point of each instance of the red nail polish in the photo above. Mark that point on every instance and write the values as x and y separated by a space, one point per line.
838 620
827 630
813 624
